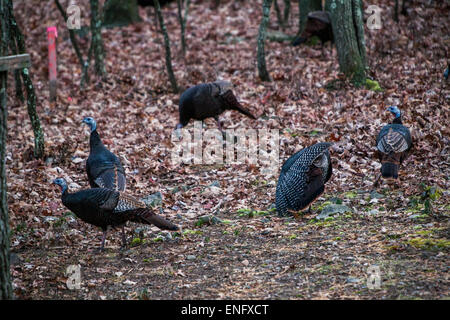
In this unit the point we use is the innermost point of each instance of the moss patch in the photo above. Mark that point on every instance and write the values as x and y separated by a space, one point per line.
373 85
429 243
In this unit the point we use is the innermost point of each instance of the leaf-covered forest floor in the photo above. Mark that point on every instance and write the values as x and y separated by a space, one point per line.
248 252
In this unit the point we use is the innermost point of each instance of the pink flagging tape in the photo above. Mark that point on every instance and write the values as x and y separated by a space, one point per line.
52 34
52 29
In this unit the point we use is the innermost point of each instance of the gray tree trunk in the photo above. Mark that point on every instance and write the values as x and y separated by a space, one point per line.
6 291
18 38
172 79
84 64
348 30
97 41
287 11
261 56
279 15
183 21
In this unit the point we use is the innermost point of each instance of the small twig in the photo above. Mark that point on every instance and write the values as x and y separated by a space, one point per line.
73 39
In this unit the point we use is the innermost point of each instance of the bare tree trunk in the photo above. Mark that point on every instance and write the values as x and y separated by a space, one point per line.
97 41
183 21
396 11
404 11
19 91
348 30
17 79
6 291
84 64
287 11
5 277
261 56
172 79
283 19
29 88
35 123
278 12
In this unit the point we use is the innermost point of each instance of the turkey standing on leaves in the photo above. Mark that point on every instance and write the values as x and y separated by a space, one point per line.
208 100
103 168
109 208
393 143
302 178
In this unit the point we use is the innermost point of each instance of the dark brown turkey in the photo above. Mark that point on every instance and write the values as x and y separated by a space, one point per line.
103 167
208 100
106 208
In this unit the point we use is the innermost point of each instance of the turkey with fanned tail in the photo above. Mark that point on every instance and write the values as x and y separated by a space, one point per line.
393 143
302 178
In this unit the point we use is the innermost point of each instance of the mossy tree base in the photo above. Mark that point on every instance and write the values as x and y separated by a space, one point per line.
348 30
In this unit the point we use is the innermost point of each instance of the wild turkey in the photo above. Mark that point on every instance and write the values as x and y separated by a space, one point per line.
105 208
319 25
208 100
302 178
103 168
393 144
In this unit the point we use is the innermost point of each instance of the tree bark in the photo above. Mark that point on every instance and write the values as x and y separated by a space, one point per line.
261 56
278 12
283 18
97 41
84 64
396 11
287 11
6 291
17 35
172 79
17 79
348 30
35 123
183 21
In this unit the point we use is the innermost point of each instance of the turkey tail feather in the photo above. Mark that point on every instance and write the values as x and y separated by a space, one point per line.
147 216
232 103
247 113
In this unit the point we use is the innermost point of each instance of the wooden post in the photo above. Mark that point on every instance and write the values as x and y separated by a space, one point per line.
52 34
18 61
